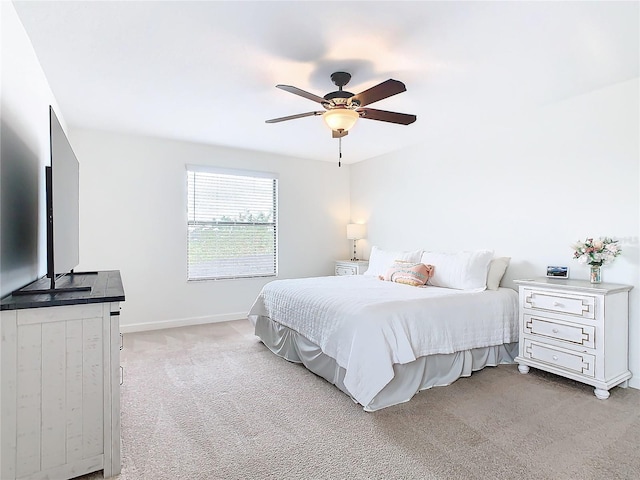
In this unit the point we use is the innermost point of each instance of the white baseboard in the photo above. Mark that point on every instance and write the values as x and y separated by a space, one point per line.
181 322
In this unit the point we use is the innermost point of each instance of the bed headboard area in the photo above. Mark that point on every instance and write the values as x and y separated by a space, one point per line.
469 270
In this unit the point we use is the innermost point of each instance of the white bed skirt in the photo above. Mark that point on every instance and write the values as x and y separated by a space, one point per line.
410 378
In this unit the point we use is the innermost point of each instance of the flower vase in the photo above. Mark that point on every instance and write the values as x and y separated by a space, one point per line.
595 274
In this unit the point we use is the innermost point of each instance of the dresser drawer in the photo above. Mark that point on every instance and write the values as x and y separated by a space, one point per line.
579 362
346 270
577 305
583 335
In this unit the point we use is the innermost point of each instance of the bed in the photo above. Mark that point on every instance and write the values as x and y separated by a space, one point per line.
381 342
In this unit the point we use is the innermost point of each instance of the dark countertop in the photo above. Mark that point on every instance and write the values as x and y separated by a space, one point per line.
105 286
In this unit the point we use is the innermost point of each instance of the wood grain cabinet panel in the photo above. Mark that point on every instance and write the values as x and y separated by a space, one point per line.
60 397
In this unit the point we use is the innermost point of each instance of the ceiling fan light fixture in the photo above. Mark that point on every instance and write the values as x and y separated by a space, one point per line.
340 119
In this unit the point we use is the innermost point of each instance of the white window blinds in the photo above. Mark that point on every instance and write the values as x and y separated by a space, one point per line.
232 224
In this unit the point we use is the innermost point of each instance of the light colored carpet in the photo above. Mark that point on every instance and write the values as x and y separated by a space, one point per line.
211 402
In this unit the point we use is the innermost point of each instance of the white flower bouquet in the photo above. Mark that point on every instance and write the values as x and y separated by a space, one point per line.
596 252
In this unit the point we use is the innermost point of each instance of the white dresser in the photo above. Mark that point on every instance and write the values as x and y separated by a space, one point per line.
575 329
60 394
351 267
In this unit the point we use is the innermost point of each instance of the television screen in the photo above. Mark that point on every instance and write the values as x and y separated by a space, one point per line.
63 206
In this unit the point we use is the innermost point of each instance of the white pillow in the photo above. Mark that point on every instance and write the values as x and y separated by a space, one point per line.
462 270
497 267
380 260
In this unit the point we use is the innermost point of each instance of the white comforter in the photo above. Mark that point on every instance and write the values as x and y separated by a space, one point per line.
368 325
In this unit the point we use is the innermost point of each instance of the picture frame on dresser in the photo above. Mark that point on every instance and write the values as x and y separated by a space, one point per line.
575 329
556 271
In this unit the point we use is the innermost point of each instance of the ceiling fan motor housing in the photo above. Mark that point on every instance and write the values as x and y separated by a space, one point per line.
340 98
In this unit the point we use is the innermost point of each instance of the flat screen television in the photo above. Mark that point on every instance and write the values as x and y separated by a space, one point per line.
62 180
63 204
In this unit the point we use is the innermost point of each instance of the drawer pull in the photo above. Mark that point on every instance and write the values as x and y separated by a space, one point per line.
555 330
558 304
555 357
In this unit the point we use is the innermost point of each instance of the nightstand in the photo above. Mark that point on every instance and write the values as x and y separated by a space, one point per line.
575 329
351 267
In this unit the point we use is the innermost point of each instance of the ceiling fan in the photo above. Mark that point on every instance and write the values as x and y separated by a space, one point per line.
343 108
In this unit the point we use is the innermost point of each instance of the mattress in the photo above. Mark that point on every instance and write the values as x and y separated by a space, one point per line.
369 327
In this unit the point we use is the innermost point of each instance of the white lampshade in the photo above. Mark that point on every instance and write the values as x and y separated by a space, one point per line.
356 231
340 118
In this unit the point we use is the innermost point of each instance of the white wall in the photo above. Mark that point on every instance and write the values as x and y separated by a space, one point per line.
24 144
133 219
528 189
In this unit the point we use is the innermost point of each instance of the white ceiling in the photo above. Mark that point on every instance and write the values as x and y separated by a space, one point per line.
206 71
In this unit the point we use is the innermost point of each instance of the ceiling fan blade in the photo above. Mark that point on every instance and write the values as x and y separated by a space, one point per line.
302 93
384 116
382 90
293 117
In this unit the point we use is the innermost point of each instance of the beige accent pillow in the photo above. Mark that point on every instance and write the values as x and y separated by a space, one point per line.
497 268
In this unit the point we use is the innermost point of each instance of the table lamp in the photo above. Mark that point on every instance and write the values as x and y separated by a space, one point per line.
355 232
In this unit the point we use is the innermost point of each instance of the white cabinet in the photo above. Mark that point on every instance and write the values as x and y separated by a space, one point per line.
351 267
575 329
60 372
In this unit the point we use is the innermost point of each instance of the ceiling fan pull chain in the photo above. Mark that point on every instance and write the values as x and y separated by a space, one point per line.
340 151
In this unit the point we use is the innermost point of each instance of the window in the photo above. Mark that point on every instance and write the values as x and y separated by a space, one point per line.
232 224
